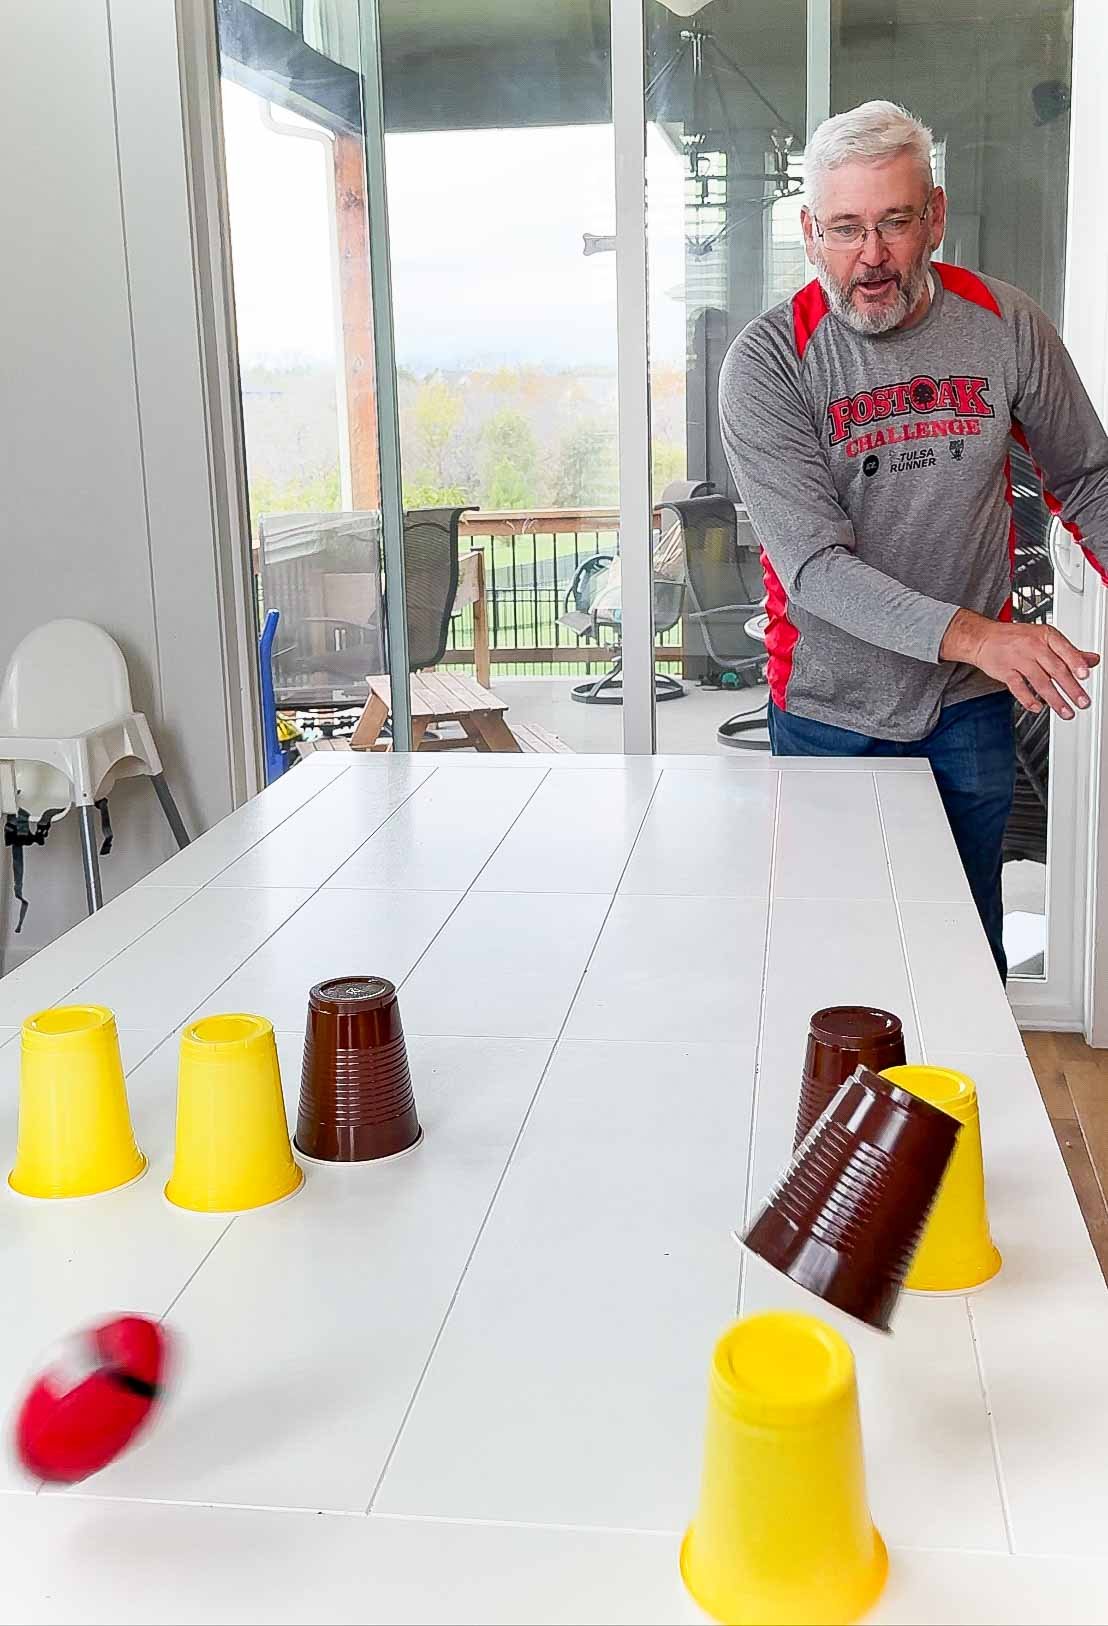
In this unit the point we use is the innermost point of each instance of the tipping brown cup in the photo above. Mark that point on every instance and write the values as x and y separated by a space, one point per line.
356 1100
841 1039
847 1216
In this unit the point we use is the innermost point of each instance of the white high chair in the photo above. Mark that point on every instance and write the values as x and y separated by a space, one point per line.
68 731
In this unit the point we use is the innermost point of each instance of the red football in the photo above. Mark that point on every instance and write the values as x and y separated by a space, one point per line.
92 1399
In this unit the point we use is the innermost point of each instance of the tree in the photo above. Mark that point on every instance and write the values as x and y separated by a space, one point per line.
509 461
423 492
586 473
437 413
670 462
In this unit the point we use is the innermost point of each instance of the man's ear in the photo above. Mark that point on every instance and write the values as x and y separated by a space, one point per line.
808 226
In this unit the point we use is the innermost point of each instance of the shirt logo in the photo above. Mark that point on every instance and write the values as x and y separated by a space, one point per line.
922 394
956 448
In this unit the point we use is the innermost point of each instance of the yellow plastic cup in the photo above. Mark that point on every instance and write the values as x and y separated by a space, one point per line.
233 1147
956 1251
783 1532
75 1135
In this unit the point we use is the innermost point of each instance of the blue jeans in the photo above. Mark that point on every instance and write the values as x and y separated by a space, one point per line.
973 757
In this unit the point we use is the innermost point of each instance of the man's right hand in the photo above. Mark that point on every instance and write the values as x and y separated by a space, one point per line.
1038 664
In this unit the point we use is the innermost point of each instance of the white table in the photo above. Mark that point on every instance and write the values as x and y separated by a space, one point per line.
498 1345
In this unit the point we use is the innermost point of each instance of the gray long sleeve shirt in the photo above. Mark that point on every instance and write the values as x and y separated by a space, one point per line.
875 472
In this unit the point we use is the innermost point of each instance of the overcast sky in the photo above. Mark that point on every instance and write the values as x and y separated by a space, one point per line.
486 230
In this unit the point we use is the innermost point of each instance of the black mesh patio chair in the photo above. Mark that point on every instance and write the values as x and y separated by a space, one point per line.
591 603
723 579
430 581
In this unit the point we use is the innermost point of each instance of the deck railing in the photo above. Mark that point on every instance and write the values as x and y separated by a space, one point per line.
531 559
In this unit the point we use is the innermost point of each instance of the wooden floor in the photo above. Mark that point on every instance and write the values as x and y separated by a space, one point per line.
1074 1084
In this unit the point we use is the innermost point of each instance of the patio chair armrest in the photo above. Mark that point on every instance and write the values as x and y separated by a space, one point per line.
360 627
726 609
587 568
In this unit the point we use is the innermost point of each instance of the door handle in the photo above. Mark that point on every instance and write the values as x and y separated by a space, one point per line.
1062 556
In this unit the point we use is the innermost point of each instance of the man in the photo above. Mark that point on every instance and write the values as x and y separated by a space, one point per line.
867 425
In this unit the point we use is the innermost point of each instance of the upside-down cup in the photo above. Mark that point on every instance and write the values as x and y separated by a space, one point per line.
783 1531
847 1216
356 1098
956 1252
232 1149
75 1136
842 1038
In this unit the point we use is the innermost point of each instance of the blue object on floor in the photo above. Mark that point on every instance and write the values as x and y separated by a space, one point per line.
275 760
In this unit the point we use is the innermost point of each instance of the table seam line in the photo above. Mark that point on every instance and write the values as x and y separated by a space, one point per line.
187 1283
994 1438
312 893
464 895
763 994
96 970
333 780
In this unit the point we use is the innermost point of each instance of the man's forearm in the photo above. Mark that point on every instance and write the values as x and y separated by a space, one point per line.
841 588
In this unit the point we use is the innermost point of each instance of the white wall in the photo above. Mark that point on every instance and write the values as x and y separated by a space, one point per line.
107 509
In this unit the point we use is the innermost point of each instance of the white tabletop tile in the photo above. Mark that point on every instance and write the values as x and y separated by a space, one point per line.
699 841
48 976
505 964
831 952
1041 1324
959 996
317 838
337 933
442 838
924 860
673 968
211 853
829 842
171 971
607 1251
574 835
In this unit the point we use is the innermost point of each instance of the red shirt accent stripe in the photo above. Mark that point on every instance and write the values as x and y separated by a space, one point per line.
1053 505
966 284
781 635
809 308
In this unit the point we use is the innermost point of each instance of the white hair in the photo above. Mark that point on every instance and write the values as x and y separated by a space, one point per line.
871 133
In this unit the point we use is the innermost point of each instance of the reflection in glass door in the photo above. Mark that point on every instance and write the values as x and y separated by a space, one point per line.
498 142
726 99
294 150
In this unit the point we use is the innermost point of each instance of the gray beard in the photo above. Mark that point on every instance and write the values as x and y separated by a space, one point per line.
883 320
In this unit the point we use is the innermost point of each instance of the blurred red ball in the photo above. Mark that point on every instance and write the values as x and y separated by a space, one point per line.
97 1393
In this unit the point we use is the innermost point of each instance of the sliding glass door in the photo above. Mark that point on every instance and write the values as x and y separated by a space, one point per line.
995 90
488 260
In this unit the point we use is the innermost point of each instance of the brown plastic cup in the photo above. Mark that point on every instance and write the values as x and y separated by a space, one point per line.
356 1100
841 1039
847 1216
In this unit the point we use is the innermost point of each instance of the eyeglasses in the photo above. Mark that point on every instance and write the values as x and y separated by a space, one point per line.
890 230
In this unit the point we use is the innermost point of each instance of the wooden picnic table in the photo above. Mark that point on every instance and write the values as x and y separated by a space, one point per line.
439 697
